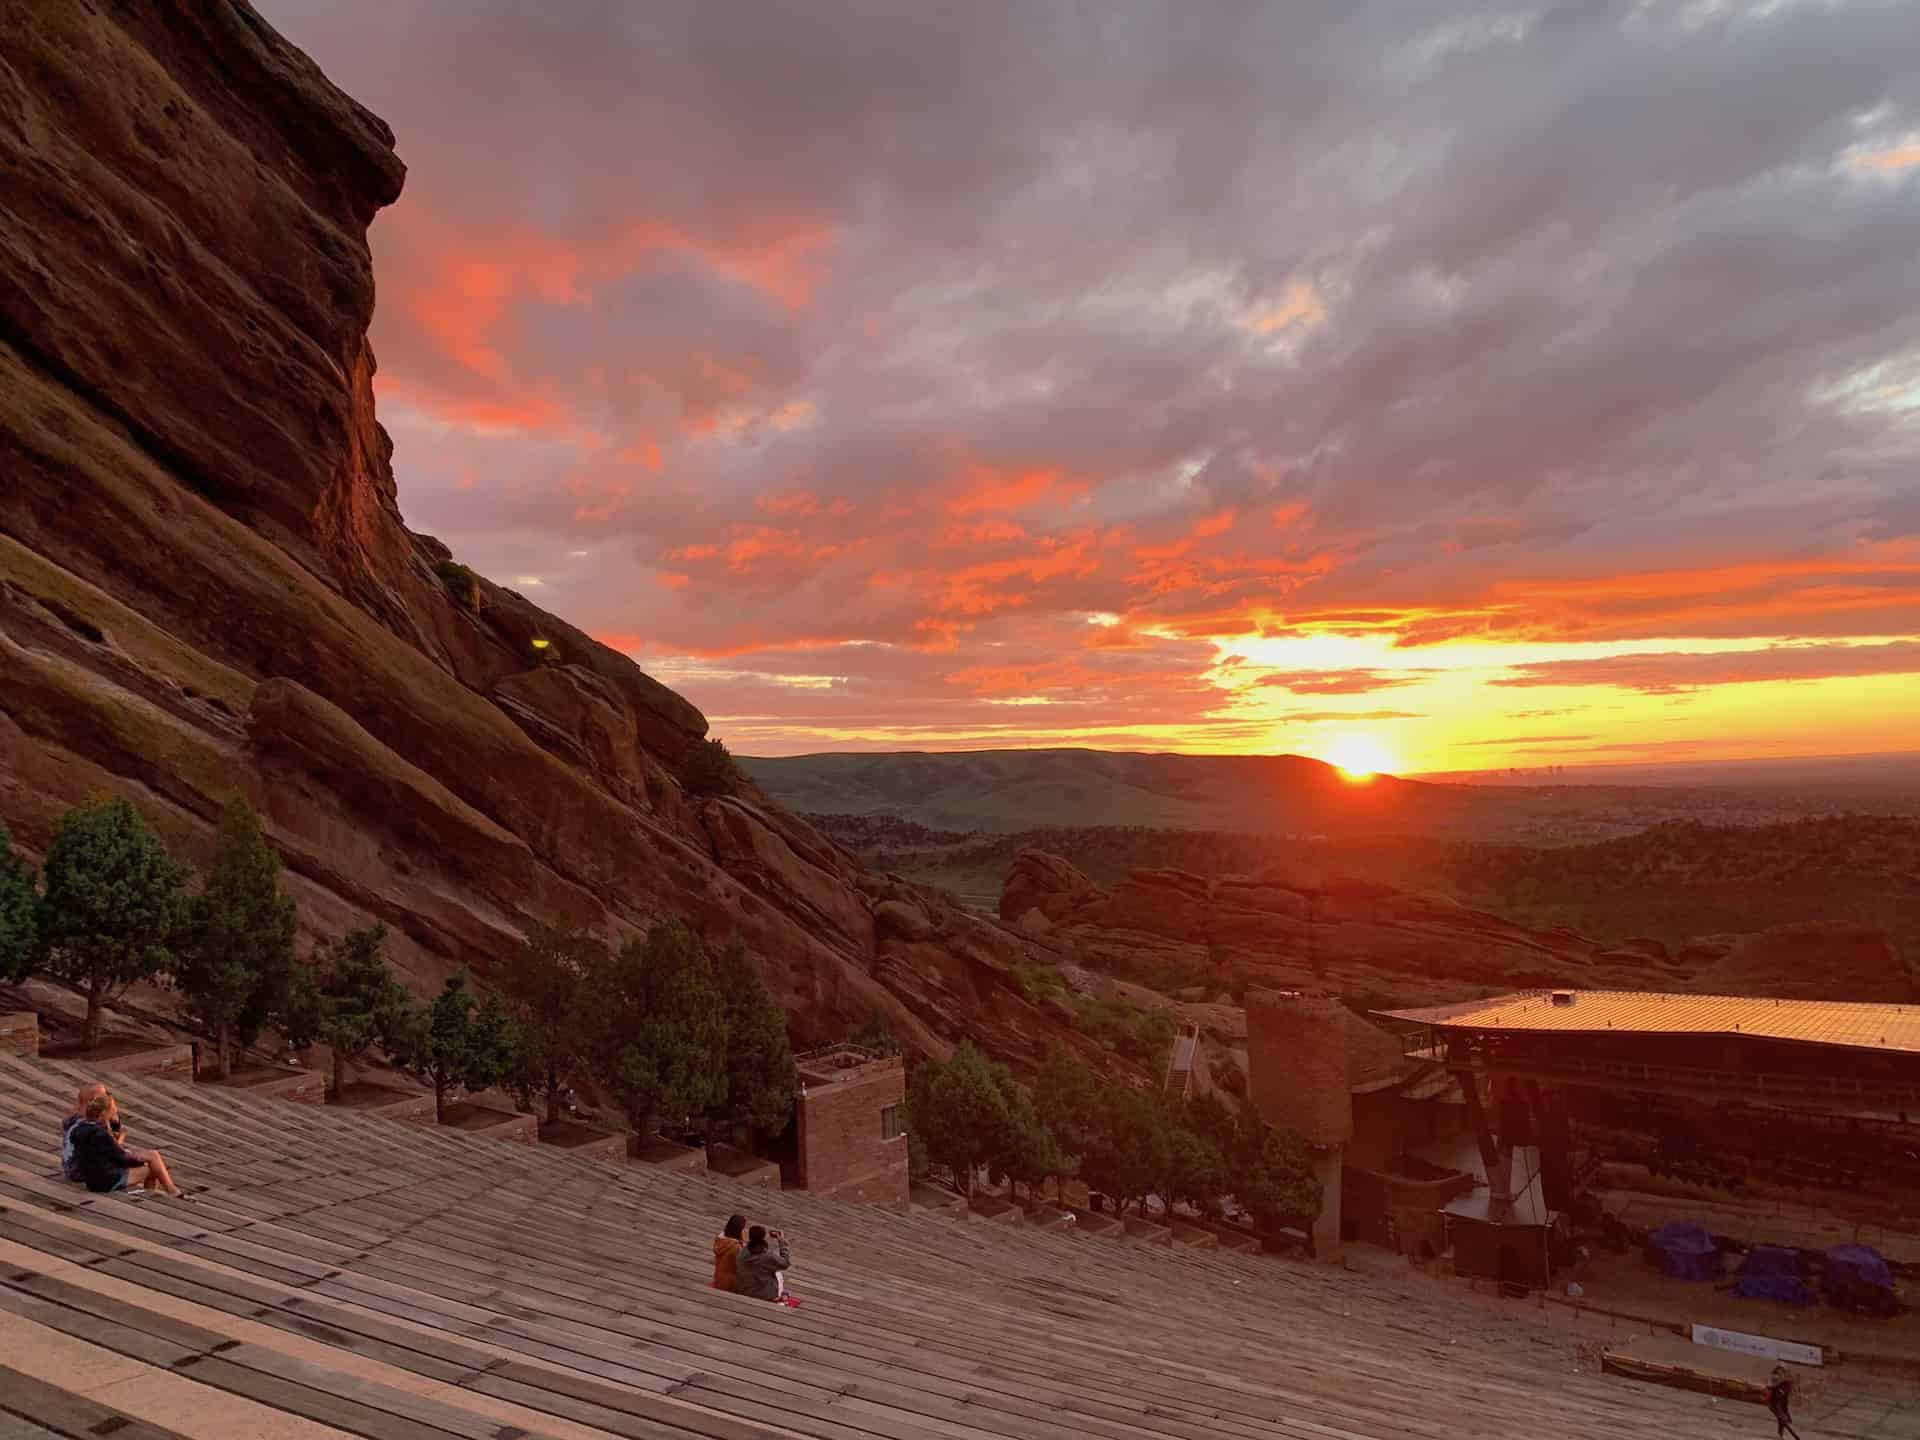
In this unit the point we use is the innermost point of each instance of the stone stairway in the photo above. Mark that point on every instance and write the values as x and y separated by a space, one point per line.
344 1274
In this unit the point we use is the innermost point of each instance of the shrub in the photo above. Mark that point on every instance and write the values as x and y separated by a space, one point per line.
462 584
710 770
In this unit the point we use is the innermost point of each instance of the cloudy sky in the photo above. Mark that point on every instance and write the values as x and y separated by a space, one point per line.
1522 385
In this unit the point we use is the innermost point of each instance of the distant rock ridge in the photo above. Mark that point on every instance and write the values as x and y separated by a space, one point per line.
206 588
1362 938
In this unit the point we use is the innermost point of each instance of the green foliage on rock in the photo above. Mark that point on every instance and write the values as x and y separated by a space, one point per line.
660 1037
454 1042
112 906
462 584
875 1036
1142 1036
19 915
350 1000
234 962
710 770
545 984
759 1057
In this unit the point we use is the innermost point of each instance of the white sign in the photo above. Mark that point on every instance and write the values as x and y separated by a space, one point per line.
1756 1345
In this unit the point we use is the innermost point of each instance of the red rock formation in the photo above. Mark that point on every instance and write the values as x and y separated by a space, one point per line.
206 588
1360 938
1286 932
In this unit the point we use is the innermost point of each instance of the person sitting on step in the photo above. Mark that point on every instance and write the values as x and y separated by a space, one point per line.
726 1250
69 1167
759 1265
104 1166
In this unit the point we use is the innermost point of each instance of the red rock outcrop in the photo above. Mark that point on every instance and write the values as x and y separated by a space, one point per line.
206 588
1365 939
1286 932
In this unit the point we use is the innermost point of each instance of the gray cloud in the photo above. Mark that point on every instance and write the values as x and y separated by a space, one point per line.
1455 316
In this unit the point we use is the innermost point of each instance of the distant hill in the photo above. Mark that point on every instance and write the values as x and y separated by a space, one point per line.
1012 790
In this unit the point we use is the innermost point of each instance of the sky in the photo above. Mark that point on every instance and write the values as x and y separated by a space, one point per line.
1461 386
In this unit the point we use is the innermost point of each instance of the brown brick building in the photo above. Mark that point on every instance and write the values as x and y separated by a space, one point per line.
852 1126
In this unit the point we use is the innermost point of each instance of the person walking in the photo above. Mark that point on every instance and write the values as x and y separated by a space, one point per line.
1779 1397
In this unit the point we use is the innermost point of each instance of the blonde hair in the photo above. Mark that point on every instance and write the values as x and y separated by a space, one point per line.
98 1106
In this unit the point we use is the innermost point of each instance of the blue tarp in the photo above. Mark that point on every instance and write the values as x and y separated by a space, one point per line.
1773 1273
1686 1252
1857 1265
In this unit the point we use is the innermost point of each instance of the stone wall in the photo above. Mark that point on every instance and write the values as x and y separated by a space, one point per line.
1297 1064
20 1033
842 1149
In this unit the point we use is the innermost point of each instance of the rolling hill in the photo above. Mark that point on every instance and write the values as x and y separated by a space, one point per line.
1011 790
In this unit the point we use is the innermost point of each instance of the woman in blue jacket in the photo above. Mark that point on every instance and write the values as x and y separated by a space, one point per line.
104 1166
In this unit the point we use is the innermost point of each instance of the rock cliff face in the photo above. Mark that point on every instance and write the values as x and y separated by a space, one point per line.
206 587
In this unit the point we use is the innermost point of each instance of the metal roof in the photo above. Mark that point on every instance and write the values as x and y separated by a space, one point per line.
1647 1012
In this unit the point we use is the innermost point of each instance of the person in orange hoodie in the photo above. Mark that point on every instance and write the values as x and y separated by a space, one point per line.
726 1252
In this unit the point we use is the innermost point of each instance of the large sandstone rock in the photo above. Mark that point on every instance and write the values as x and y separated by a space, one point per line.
1813 960
1043 882
1288 931
206 588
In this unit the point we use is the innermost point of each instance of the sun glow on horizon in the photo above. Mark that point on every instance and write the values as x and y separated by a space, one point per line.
1359 757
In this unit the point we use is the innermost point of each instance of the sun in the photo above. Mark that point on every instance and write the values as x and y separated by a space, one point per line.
1359 757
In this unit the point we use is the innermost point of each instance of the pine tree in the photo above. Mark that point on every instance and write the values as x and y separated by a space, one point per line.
112 906
453 1042
759 1064
349 1000
19 915
660 1042
235 961
545 985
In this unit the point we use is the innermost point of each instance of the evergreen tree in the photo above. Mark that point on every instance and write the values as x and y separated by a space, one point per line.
1196 1171
349 1000
1066 1098
1128 1155
453 1042
19 915
959 1110
235 962
1275 1179
661 1035
545 985
1029 1153
112 906
759 1070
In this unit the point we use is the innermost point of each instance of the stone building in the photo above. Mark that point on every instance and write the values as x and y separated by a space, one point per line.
852 1131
